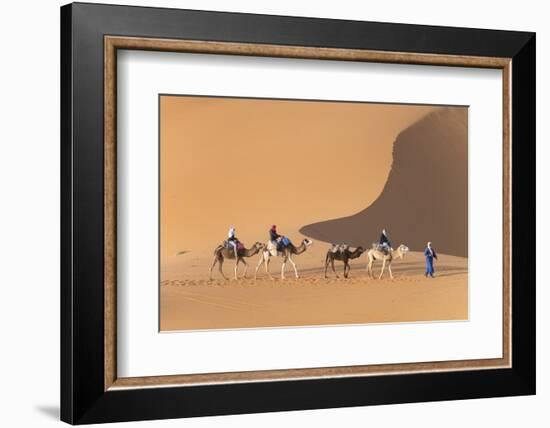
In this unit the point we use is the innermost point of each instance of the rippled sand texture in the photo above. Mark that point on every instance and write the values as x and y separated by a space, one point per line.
188 304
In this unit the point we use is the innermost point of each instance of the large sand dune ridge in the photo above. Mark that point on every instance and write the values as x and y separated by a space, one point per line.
254 163
426 195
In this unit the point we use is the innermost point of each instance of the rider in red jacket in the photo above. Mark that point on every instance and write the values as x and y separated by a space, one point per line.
273 235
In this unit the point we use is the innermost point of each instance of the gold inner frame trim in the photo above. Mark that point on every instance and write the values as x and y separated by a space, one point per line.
113 43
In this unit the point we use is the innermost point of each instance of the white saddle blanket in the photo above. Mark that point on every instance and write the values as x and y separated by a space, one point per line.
272 248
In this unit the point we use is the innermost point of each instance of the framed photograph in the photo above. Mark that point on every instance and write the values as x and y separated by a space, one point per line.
265 213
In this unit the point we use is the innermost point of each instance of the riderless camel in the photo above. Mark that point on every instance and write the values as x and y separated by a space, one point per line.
270 250
344 254
387 257
222 253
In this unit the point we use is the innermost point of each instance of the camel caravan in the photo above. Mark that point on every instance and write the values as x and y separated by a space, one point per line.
277 246
281 246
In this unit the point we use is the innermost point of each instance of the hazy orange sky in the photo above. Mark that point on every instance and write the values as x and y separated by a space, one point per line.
251 163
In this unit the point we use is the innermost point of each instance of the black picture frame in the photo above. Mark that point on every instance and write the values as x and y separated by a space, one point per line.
83 398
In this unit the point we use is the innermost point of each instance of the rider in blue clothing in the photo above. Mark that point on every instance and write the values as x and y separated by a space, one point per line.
273 235
279 240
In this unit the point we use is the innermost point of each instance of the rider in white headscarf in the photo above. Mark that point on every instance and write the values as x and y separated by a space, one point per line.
384 242
232 240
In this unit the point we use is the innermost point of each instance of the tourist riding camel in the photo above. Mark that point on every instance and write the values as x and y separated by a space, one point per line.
279 241
387 258
224 252
273 235
286 252
384 242
232 241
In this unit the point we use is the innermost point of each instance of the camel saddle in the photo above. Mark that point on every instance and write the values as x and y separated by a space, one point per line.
240 245
382 248
339 248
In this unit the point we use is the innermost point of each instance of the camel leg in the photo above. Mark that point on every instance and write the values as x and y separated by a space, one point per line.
212 266
294 266
383 267
259 265
220 264
264 258
245 267
267 267
389 270
346 269
283 268
334 270
369 268
237 267
326 267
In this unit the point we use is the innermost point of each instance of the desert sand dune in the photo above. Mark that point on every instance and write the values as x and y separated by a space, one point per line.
426 195
254 163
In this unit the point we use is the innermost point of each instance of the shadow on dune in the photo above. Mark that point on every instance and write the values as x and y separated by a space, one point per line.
426 195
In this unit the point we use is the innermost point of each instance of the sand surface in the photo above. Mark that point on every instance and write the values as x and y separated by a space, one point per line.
199 303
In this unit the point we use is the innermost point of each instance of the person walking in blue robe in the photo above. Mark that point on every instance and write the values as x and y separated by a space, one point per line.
430 254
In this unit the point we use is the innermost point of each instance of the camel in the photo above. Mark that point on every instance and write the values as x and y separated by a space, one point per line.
270 250
376 254
344 255
221 253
